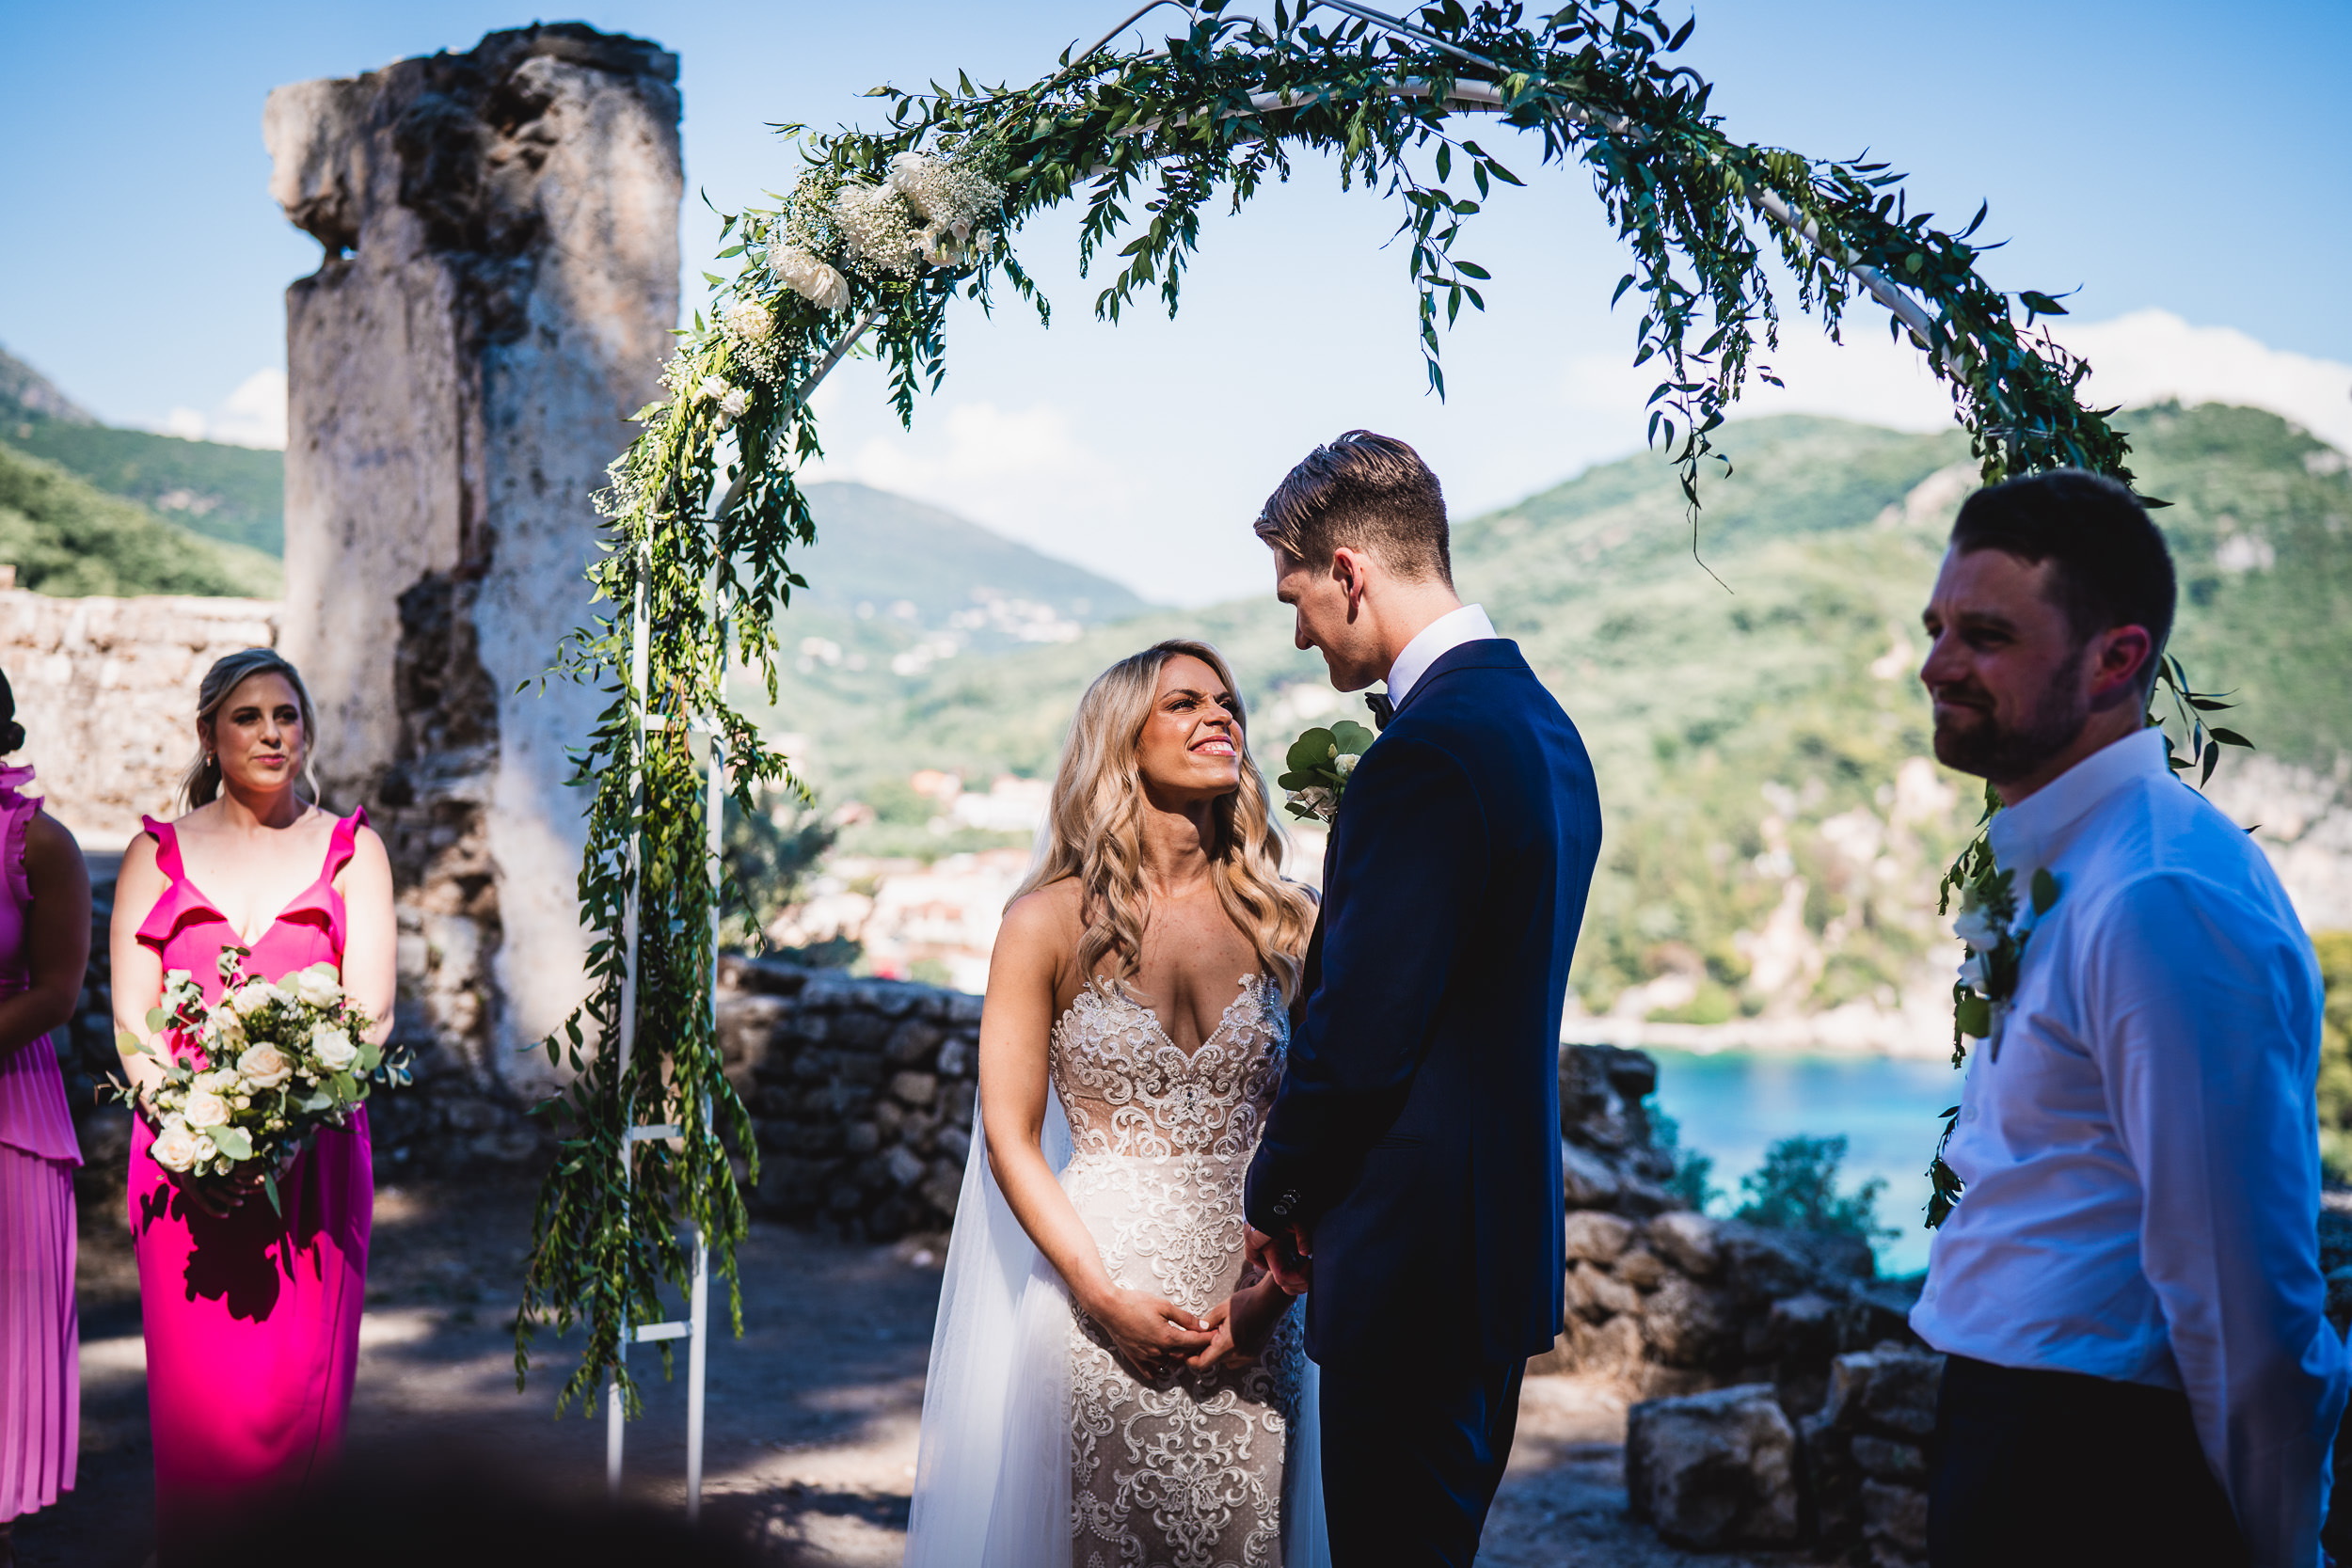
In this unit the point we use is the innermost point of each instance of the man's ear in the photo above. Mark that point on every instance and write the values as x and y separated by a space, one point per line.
1348 569
2120 663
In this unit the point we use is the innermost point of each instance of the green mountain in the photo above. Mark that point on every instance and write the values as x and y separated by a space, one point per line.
67 538
234 494
922 566
1772 826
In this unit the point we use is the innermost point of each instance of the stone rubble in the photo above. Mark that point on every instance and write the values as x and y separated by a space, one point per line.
1716 1469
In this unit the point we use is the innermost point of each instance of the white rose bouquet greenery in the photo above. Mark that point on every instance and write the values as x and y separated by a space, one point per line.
1321 763
274 1061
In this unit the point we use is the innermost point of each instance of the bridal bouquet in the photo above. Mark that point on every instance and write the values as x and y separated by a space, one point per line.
276 1061
1320 763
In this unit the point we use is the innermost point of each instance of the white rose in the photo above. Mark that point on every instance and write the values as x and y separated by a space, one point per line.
174 1148
1978 928
1345 762
709 389
219 1079
206 1109
334 1050
205 1147
806 276
736 403
265 1067
316 985
1976 973
254 996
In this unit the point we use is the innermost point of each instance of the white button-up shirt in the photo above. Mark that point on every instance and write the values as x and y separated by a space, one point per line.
1449 631
2138 1139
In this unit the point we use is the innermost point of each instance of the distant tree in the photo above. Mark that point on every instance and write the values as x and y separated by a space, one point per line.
1691 1168
1796 1189
770 853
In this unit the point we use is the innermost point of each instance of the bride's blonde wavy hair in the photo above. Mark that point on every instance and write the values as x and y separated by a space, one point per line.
1094 830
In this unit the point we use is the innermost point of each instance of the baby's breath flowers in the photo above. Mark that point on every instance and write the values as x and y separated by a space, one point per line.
879 231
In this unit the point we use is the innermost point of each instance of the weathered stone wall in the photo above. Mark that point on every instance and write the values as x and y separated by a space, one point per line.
862 1091
496 298
106 690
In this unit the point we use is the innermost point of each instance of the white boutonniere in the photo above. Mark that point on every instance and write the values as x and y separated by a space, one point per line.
1995 939
1321 762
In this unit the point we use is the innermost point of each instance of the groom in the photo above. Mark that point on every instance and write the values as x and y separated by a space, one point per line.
1411 1162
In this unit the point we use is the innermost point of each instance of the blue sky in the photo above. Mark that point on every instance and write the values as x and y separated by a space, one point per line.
2158 157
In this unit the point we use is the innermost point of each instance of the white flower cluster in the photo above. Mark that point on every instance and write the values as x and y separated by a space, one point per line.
951 198
750 327
278 1060
806 274
879 231
1980 927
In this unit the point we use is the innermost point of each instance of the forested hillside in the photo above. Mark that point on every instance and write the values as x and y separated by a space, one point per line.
1773 828
233 494
65 537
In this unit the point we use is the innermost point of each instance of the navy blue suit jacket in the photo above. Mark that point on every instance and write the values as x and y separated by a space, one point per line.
1416 1137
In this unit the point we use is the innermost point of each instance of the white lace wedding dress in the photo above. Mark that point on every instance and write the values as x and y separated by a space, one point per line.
1042 1445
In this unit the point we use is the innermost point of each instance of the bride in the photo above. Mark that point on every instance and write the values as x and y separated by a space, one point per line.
1107 1385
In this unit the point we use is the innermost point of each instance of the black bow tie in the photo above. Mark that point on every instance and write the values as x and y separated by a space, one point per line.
1382 709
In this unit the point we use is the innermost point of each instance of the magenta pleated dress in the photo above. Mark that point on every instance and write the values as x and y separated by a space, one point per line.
40 1341
252 1320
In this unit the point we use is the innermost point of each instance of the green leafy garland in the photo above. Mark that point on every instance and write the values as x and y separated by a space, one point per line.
886 229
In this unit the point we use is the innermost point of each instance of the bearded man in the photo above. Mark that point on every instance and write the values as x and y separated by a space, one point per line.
2129 1293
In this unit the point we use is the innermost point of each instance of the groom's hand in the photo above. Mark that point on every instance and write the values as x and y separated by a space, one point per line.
1283 1254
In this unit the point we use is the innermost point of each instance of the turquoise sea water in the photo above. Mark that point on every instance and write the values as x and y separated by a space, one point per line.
1734 1104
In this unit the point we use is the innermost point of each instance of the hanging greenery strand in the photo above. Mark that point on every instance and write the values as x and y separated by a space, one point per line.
884 229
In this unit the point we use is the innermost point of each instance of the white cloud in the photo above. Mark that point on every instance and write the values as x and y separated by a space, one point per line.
2152 354
252 416
2143 357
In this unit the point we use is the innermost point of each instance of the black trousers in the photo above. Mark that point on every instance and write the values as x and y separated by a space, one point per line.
2059 1469
1411 1458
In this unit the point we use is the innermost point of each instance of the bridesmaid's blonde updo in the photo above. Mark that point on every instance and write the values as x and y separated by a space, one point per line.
200 785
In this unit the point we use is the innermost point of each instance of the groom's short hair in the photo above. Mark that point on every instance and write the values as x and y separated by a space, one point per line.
2112 567
1362 492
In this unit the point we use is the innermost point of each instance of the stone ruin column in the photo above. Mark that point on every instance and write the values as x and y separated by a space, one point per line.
500 282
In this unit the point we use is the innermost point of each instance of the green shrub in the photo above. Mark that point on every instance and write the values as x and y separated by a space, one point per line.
2335 1053
770 853
1691 1168
1796 1189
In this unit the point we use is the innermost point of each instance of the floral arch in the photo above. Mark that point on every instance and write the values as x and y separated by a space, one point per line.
885 227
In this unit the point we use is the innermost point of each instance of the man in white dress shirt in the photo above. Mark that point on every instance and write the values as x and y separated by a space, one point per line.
2129 1290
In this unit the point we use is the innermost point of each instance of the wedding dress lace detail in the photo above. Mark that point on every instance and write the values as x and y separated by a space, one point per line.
1178 1469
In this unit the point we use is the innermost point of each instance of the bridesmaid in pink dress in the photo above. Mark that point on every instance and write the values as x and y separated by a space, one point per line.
252 1320
44 951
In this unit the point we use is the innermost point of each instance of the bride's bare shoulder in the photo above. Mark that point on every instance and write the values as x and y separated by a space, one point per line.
1048 916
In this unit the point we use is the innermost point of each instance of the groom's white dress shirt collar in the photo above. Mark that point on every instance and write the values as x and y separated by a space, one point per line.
2136 1138
1448 631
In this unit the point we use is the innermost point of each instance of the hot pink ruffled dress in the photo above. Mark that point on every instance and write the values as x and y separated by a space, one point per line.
40 1385
252 1320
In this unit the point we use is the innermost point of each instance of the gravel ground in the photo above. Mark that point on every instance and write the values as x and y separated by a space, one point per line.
811 1415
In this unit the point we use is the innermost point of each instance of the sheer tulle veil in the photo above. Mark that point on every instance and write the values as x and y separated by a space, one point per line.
992 1483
